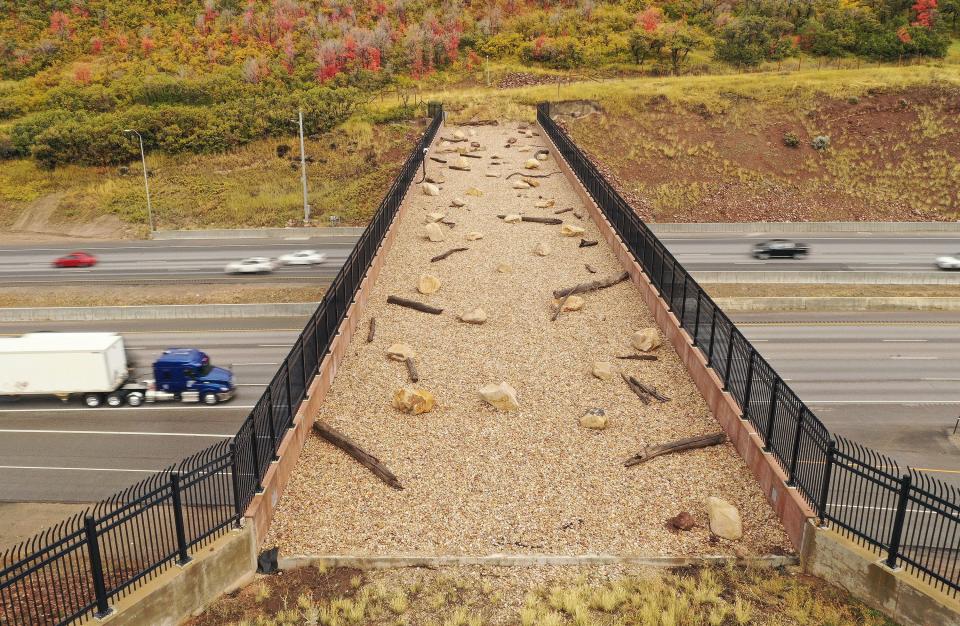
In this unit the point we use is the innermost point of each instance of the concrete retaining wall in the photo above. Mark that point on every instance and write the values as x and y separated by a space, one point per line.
228 563
832 278
754 305
809 227
527 560
159 312
259 233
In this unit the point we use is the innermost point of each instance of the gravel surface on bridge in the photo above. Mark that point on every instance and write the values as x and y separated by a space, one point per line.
482 481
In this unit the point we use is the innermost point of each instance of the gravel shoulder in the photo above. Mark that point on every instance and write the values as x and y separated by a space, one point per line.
482 481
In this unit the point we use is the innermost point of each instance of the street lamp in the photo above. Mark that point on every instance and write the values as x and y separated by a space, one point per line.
146 183
303 170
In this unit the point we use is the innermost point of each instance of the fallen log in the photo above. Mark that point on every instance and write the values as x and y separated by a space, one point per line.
362 457
413 304
586 243
643 397
556 313
412 370
472 156
603 283
441 257
679 445
644 392
480 123
528 175
452 139
639 357
438 159
538 220
373 329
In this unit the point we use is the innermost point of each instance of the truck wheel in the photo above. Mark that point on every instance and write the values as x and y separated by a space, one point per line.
92 400
114 400
209 398
135 399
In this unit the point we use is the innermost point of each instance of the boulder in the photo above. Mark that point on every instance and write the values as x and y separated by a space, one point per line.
513 218
505 268
435 217
463 164
473 236
519 184
433 232
542 156
645 339
573 303
595 419
531 164
459 134
533 182
476 316
681 521
436 179
603 370
458 202
502 396
570 230
413 401
429 189
400 352
542 249
428 284
473 191
544 204
724 519
492 174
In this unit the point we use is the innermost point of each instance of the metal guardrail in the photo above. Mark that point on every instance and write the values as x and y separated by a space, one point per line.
74 570
909 518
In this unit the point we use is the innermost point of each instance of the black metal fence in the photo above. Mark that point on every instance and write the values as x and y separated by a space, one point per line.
909 518
76 569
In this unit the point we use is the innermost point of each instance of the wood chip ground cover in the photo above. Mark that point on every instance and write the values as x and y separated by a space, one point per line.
480 481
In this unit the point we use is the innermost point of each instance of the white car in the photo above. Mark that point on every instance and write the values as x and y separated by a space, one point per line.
253 265
303 257
950 262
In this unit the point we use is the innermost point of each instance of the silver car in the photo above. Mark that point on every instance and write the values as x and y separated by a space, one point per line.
253 265
949 262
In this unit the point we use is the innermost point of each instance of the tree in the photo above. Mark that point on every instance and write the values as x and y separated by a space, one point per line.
752 39
679 38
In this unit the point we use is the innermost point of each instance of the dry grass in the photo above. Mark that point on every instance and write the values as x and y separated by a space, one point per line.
586 596
157 295
764 290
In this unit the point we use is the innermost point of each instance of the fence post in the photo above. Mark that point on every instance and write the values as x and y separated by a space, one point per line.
726 371
183 557
748 384
791 479
822 500
273 427
713 330
897 532
96 567
774 388
235 481
255 448
696 322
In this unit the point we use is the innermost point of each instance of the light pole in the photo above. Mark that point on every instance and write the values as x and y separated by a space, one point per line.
146 183
303 170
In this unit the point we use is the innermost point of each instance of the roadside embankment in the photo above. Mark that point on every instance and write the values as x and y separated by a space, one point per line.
173 311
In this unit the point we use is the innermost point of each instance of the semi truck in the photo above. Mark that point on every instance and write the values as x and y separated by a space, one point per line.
94 367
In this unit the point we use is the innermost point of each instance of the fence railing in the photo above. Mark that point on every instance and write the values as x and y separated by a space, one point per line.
78 568
909 518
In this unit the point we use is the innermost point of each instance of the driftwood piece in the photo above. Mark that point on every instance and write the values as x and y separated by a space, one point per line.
438 159
586 243
639 357
413 304
556 313
679 445
562 211
640 394
578 215
590 268
643 391
472 156
453 139
460 168
528 175
363 457
412 370
480 123
538 220
441 257
373 329
603 283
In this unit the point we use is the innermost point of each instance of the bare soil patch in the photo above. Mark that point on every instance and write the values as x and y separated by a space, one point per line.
763 290
157 295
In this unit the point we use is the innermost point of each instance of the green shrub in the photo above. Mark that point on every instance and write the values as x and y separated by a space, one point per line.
791 140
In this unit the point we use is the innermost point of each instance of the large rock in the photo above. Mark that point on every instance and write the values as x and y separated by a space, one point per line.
724 519
682 521
544 204
458 134
473 235
531 164
513 218
436 179
429 189
473 191
504 268
519 184
645 339
400 352
413 401
542 249
435 217
428 284
433 232
595 419
569 230
458 202
502 396
603 370
573 303
476 316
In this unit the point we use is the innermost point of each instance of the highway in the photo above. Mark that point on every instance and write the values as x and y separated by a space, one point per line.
56 452
890 381
840 252
167 262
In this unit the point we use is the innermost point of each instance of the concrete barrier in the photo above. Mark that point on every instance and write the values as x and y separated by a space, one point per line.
802 303
159 312
181 591
259 233
808 227
831 278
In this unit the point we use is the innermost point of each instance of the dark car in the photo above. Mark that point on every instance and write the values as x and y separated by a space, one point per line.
780 248
76 259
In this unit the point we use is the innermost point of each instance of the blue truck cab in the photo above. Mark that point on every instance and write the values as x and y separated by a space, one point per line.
186 374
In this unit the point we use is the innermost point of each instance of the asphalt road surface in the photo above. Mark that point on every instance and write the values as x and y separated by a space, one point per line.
167 262
840 252
890 381
56 452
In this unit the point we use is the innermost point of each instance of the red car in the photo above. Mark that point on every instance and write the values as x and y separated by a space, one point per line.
76 259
